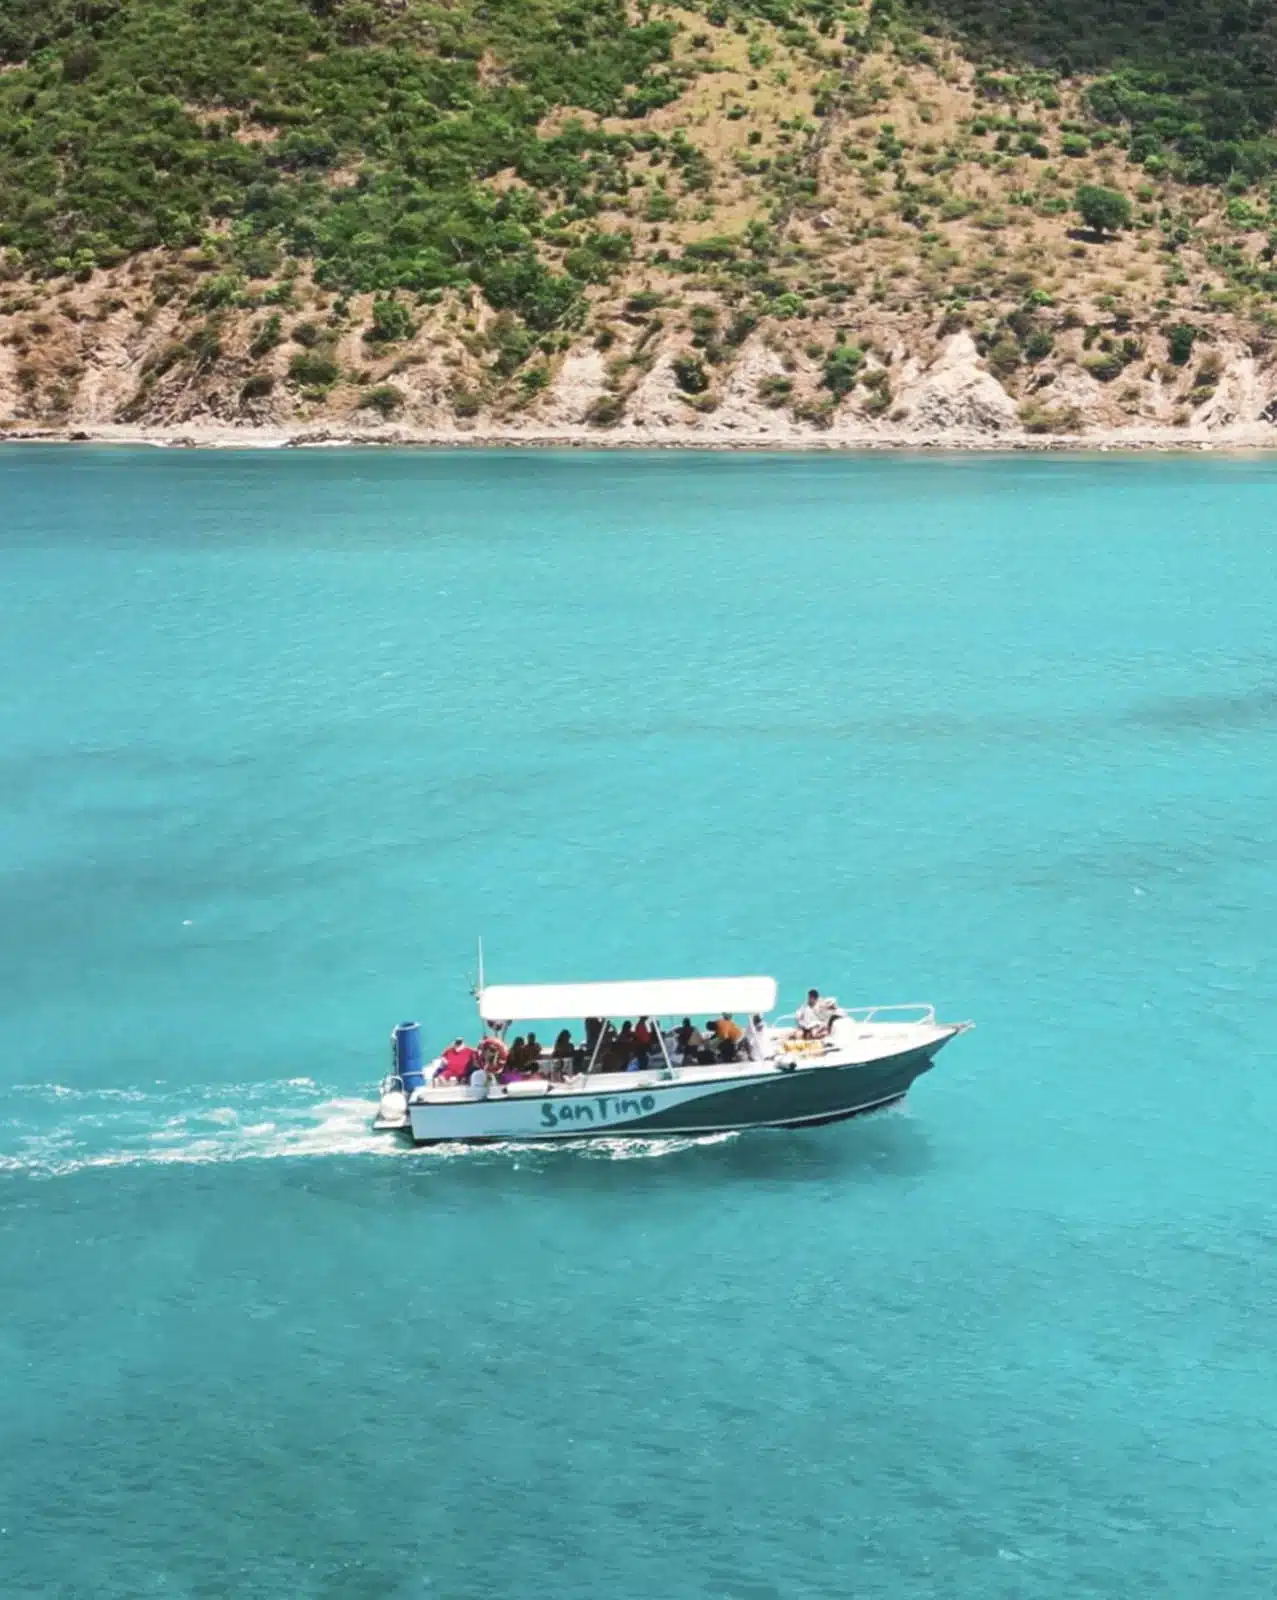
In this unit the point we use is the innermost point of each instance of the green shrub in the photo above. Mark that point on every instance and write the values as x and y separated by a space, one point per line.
1003 356
307 334
257 386
511 342
842 364
314 369
690 374
391 322
1180 337
385 399
466 402
266 338
717 248
205 345
1038 345
606 411
774 391
878 400
1038 418
1102 210
223 290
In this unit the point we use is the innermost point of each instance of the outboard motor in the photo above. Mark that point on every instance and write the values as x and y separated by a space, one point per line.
405 1044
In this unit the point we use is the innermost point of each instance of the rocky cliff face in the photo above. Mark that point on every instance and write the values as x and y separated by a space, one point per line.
90 365
861 248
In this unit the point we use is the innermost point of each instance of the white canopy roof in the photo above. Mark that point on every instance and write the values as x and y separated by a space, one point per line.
657 997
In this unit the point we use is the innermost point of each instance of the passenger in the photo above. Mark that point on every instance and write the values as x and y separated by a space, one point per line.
696 1047
642 1035
493 1053
812 1018
593 1032
757 1043
563 1051
728 1033
518 1055
618 1050
683 1037
480 1077
458 1061
532 1056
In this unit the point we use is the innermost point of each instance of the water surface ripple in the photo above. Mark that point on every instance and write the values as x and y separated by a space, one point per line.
283 733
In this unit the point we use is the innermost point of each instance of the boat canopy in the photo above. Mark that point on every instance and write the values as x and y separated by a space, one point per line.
657 997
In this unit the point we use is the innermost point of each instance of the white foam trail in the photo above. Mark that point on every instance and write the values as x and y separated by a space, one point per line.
213 1123
61 1130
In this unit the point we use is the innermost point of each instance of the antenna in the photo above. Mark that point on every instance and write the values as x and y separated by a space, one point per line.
480 988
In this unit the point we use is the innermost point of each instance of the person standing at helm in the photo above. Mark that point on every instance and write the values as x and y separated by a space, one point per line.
758 1045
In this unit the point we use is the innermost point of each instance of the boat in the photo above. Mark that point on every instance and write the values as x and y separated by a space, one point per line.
848 1062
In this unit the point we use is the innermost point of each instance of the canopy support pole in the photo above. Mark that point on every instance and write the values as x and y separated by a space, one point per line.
598 1045
660 1034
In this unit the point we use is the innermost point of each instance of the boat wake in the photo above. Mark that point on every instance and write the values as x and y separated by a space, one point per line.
50 1130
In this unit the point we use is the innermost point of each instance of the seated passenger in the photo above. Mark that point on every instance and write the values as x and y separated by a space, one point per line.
518 1054
493 1052
532 1055
480 1077
458 1060
562 1055
812 1018
597 1056
697 1048
617 1050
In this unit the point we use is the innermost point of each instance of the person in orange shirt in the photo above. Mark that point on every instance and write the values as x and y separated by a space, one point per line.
728 1033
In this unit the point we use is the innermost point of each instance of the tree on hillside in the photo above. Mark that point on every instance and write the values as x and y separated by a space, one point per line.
1102 210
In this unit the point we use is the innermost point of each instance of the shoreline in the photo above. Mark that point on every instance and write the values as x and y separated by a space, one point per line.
222 436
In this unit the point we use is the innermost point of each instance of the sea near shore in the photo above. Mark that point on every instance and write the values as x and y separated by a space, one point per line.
218 435
284 731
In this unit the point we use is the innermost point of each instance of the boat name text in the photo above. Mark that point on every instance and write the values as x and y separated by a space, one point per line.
606 1108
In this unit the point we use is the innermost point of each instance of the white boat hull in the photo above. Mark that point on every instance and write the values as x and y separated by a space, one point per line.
867 1073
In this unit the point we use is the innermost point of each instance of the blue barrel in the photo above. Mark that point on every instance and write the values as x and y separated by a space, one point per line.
406 1044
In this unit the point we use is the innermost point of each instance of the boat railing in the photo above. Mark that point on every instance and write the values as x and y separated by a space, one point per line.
918 1012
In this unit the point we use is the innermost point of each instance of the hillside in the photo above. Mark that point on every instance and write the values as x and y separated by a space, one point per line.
757 220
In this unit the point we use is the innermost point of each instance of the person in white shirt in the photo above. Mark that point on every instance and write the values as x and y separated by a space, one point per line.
812 1019
481 1078
757 1043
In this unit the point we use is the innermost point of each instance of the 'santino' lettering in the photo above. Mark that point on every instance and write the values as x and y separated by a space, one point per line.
601 1109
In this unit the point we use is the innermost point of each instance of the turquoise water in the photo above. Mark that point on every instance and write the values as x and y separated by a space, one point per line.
281 734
